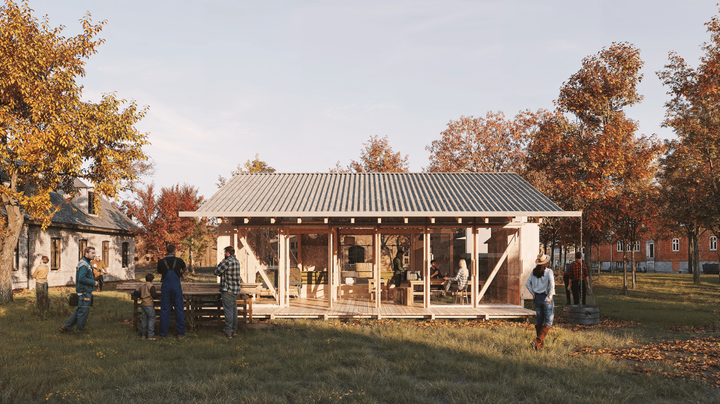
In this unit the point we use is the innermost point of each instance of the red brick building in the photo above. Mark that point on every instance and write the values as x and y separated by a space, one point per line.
667 255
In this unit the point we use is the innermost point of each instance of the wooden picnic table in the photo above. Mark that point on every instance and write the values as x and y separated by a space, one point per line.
202 301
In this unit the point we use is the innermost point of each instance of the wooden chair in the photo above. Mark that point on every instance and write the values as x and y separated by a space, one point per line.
461 296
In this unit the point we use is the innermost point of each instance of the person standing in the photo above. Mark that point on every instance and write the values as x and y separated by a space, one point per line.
41 271
541 285
147 293
99 270
84 284
579 279
172 270
229 272
459 281
397 269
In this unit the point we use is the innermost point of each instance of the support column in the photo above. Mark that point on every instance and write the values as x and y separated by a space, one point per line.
282 269
474 271
377 268
331 270
426 268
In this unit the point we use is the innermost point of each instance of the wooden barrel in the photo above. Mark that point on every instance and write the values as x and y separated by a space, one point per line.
583 315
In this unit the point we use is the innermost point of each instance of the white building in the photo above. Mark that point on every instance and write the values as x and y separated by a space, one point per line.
76 225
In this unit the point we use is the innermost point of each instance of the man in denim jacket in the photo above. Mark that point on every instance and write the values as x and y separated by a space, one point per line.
84 286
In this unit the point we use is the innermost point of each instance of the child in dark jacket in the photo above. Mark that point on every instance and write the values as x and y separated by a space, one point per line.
148 293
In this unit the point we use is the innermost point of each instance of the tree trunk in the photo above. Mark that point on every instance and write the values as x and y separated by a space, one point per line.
588 260
632 258
552 254
696 260
690 255
15 219
625 292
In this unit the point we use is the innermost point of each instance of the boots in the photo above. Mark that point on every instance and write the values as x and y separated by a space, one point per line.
534 345
541 337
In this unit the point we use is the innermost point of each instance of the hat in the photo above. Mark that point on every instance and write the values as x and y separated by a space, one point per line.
542 259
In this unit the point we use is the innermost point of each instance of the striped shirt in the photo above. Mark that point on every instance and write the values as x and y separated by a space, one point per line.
229 272
461 278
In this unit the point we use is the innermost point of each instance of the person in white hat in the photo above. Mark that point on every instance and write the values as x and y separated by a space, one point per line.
541 284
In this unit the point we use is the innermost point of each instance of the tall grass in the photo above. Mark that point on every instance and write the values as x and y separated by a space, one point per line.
312 361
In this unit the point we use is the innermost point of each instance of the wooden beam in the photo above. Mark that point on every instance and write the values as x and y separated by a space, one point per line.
246 220
405 219
379 220
459 219
326 220
496 269
299 220
352 220
432 220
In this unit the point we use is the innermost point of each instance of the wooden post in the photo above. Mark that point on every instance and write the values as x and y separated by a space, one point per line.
474 268
41 294
377 268
331 288
282 270
426 268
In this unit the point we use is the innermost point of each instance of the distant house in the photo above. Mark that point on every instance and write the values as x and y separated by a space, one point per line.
667 255
76 225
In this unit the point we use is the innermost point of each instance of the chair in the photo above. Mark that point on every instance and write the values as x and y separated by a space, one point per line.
461 296
371 287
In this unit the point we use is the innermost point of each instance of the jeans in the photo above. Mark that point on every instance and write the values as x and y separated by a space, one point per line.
576 287
545 310
171 298
229 302
148 321
80 315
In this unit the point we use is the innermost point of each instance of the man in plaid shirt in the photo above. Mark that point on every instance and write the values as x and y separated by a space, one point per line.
229 272
578 279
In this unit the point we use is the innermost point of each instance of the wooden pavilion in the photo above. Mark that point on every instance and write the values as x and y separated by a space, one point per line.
329 239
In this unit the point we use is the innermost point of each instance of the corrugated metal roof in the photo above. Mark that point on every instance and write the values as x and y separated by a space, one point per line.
378 195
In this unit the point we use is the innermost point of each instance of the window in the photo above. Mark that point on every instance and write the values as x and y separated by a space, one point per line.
106 253
55 251
713 243
82 245
637 246
125 254
676 245
91 203
620 246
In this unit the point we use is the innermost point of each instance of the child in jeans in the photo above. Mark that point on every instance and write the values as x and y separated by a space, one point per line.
147 293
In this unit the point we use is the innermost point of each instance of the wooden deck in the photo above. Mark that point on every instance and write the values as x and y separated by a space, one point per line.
364 308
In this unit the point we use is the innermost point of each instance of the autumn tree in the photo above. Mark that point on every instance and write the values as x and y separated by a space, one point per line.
250 166
590 147
51 136
684 198
490 144
376 156
693 112
158 219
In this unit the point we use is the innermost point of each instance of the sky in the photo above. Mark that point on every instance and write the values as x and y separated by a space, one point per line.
305 83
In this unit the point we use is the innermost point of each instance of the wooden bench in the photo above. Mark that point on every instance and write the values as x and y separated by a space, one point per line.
202 304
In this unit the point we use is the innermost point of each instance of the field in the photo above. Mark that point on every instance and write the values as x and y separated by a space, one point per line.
659 344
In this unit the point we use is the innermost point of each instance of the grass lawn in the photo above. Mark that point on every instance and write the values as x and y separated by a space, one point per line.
387 361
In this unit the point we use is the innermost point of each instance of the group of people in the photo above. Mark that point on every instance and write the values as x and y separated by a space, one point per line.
172 269
541 285
458 282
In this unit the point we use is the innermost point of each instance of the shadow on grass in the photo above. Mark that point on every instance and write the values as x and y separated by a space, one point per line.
307 361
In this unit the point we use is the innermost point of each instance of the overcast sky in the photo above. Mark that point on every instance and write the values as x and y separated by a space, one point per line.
306 83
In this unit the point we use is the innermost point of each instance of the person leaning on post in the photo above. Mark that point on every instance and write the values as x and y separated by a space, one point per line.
229 272
84 285
172 270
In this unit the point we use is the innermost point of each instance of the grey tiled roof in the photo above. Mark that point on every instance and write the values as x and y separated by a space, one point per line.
378 194
70 214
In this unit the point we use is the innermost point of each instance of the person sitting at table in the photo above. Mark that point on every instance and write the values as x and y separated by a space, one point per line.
435 272
459 281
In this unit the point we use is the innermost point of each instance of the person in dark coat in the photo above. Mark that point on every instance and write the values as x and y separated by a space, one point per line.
172 270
